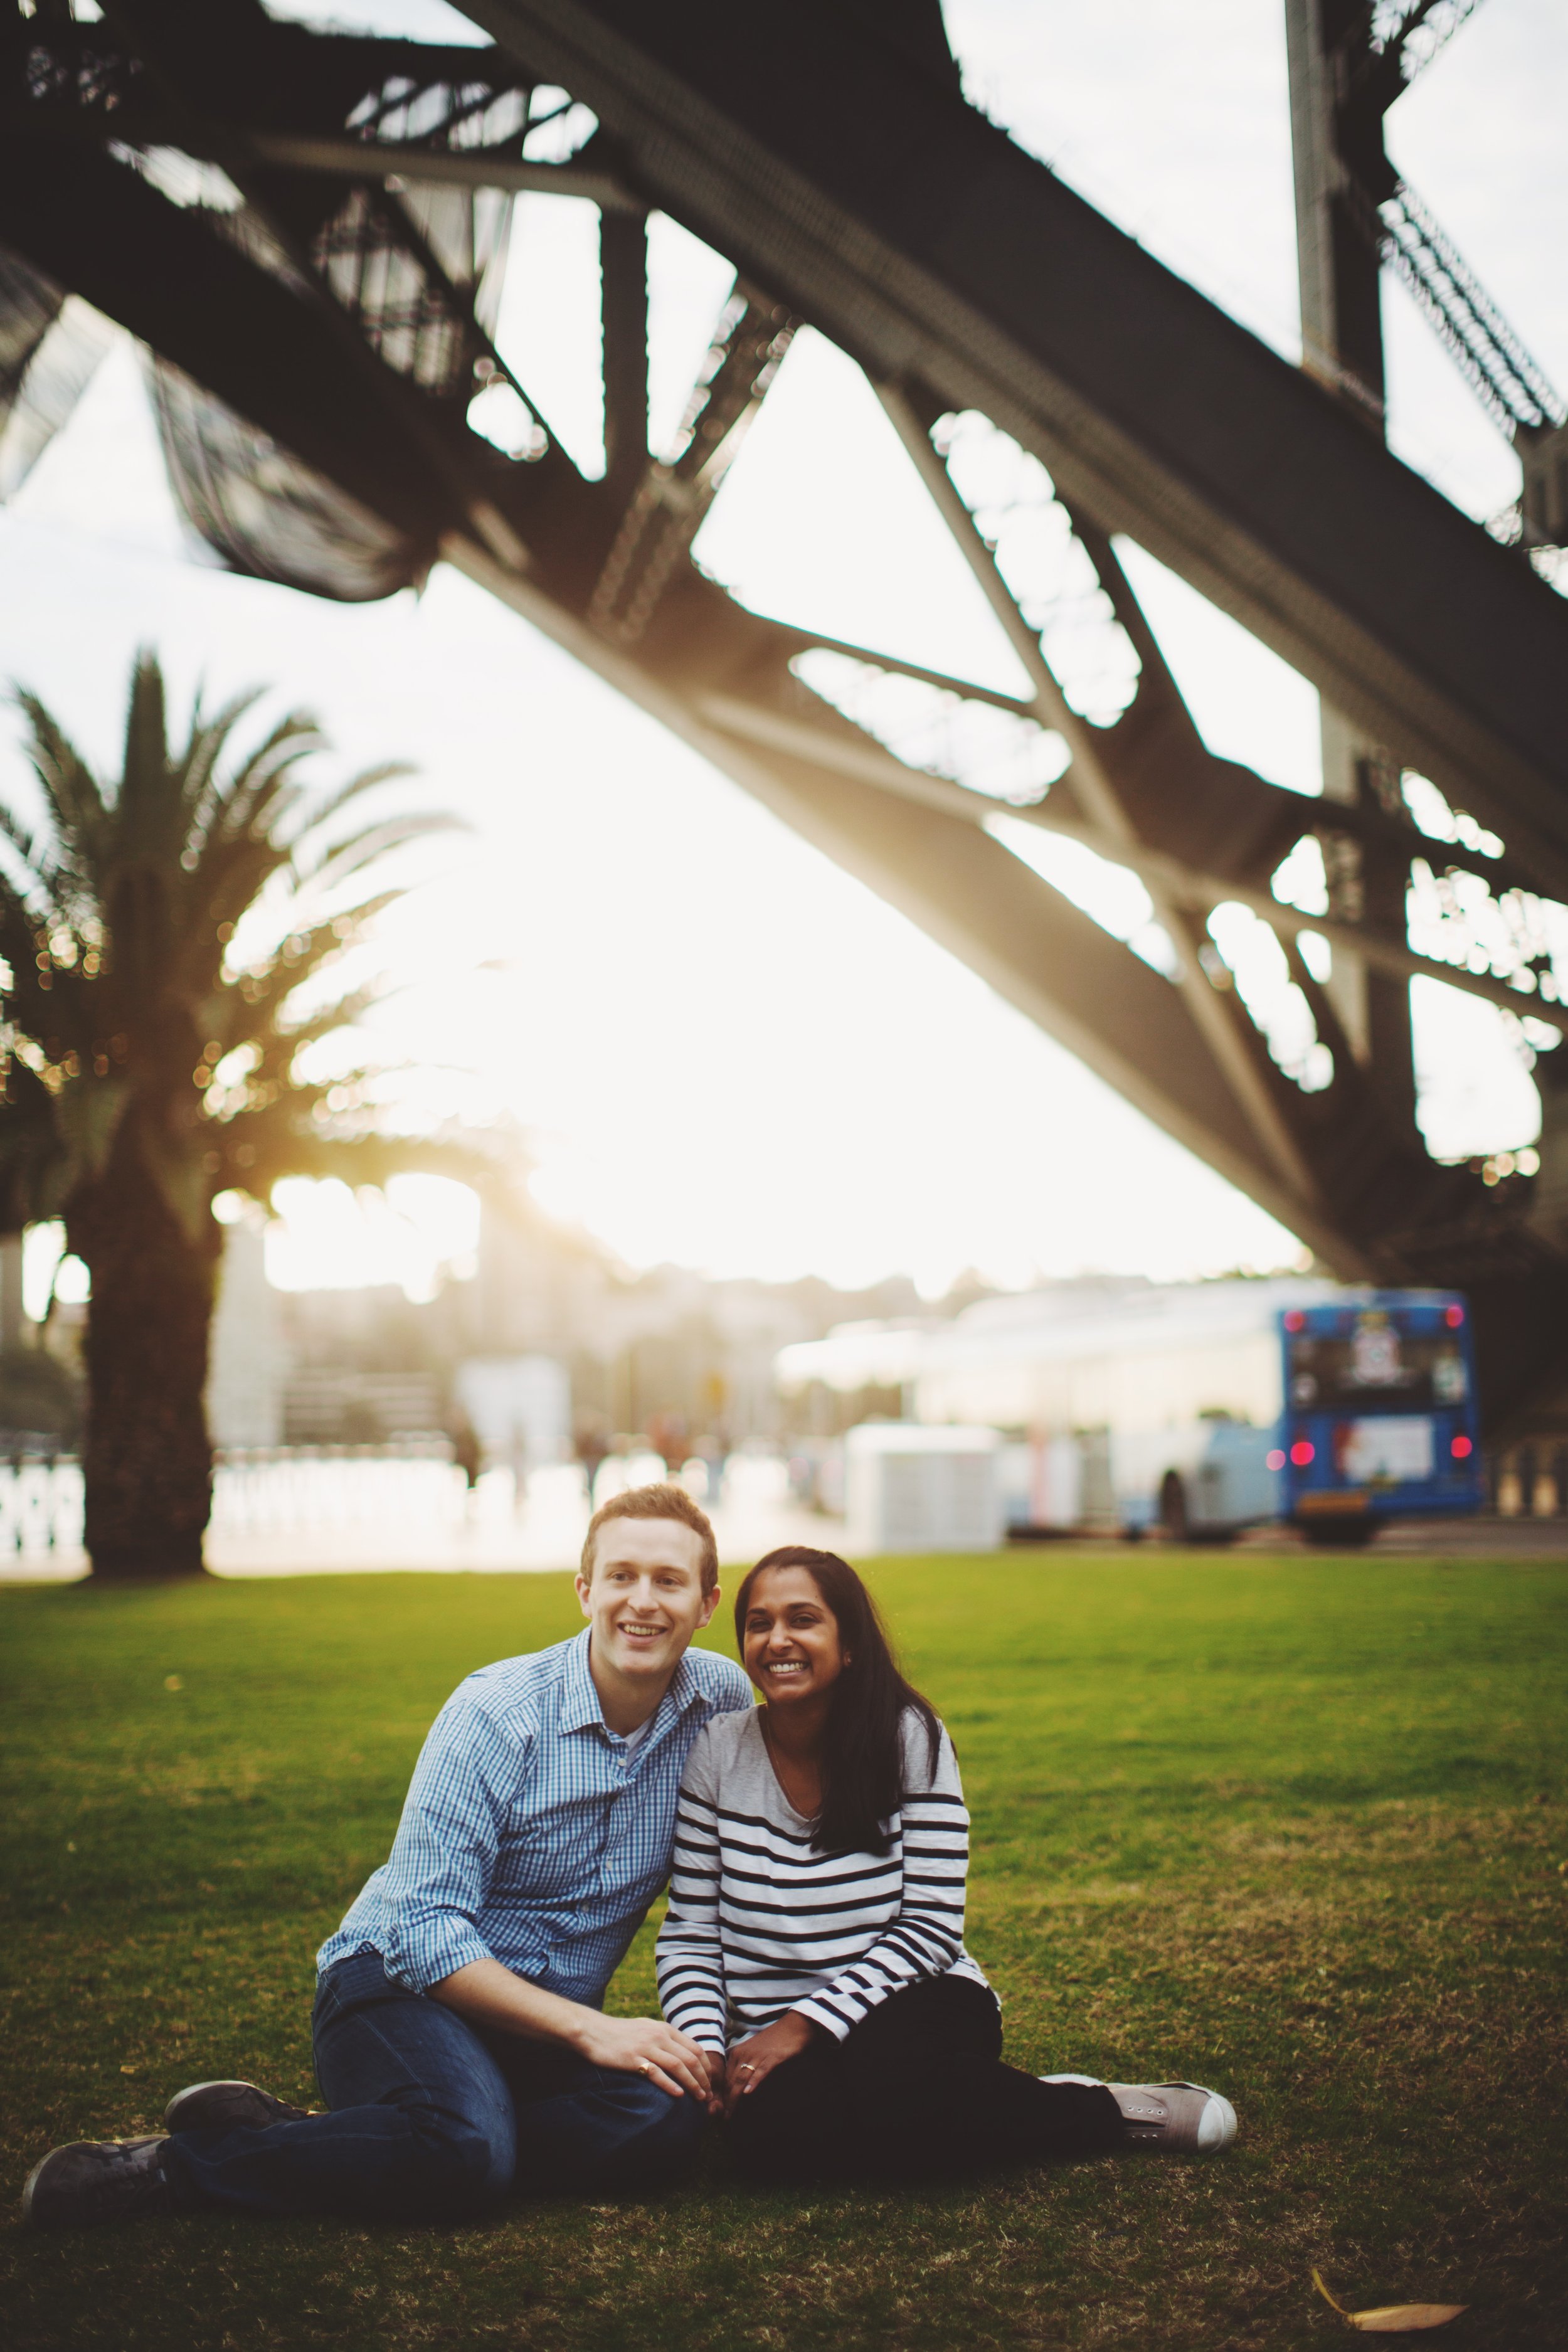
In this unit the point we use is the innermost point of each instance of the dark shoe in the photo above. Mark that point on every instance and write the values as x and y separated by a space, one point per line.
93 2180
1177 2118
227 2106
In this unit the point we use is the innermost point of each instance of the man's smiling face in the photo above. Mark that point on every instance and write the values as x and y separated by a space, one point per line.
646 1598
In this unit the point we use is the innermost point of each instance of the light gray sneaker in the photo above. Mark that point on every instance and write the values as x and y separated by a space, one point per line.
1175 2118
93 2180
227 2106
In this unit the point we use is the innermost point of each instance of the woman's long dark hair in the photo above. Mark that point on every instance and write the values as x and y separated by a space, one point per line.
862 1776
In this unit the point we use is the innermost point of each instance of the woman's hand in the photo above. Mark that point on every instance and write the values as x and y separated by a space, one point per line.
645 2045
750 2062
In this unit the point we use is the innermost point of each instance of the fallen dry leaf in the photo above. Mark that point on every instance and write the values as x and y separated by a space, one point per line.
1393 2318
1403 2318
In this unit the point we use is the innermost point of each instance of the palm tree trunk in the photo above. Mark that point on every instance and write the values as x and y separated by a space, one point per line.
147 1463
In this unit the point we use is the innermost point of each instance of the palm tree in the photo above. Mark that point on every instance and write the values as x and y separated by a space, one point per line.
152 1057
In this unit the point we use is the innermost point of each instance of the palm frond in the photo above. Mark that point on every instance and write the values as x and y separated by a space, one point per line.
62 1018
150 879
76 802
198 764
342 1012
244 800
321 812
17 918
147 807
35 881
35 1172
231 1022
231 876
257 998
375 841
263 1146
35 856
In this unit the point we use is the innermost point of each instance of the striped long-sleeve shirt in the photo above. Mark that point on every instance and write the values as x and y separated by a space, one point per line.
760 1922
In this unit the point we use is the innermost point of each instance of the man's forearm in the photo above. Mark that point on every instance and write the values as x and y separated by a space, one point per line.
495 1997
490 1997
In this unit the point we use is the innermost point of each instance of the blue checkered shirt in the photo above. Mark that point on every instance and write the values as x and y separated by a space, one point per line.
532 1834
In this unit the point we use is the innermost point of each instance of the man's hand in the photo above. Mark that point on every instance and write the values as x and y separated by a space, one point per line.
643 2045
750 2062
490 1997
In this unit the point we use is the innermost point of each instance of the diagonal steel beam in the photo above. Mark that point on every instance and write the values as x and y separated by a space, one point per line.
622 313
891 216
1182 884
1031 943
101 232
1217 1021
360 159
672 497
921 843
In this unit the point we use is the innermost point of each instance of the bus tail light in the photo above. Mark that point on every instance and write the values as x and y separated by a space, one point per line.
1453 1316
1461 1448
1303 1452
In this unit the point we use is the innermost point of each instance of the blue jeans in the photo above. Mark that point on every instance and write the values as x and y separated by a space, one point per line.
431 2120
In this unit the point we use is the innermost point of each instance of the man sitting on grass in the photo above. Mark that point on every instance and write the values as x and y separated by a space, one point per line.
460 2041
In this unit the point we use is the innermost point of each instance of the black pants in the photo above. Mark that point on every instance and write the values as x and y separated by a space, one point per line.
916 2091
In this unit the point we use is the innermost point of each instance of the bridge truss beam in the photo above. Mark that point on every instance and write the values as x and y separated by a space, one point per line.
323 305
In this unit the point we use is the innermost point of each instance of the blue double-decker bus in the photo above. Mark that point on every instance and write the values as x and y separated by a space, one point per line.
1380 1413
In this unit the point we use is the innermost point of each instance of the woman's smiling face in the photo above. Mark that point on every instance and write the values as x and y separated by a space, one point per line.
790 1644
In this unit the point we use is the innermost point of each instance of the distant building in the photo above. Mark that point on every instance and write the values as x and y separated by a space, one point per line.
672 1352
249 1363
519 1408
552 1346
352 1408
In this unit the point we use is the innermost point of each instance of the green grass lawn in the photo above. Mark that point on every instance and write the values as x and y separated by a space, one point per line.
1296 1828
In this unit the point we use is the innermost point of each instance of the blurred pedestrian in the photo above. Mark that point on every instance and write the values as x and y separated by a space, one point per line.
467 1450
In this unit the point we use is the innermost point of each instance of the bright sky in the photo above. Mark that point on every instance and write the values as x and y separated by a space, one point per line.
727 1052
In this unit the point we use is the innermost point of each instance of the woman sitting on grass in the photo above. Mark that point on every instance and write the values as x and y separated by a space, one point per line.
815 1937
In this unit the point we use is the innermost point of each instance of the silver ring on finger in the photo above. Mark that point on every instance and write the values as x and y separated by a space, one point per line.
644 2069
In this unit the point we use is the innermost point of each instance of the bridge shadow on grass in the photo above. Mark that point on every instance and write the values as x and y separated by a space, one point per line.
1295 1829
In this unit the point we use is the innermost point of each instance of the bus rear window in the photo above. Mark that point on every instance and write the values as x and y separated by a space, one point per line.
1374 1367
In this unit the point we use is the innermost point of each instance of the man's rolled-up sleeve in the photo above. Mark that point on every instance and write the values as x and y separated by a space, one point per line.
444 1857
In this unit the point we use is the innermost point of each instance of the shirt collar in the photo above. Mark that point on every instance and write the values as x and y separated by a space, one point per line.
580 1709
684 1688
580 1706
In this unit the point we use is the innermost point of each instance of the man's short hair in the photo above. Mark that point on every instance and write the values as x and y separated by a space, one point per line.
661 1502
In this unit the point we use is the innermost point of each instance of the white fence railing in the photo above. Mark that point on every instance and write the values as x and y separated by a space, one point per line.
297 1489
273 1490
40 1505
403 1504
